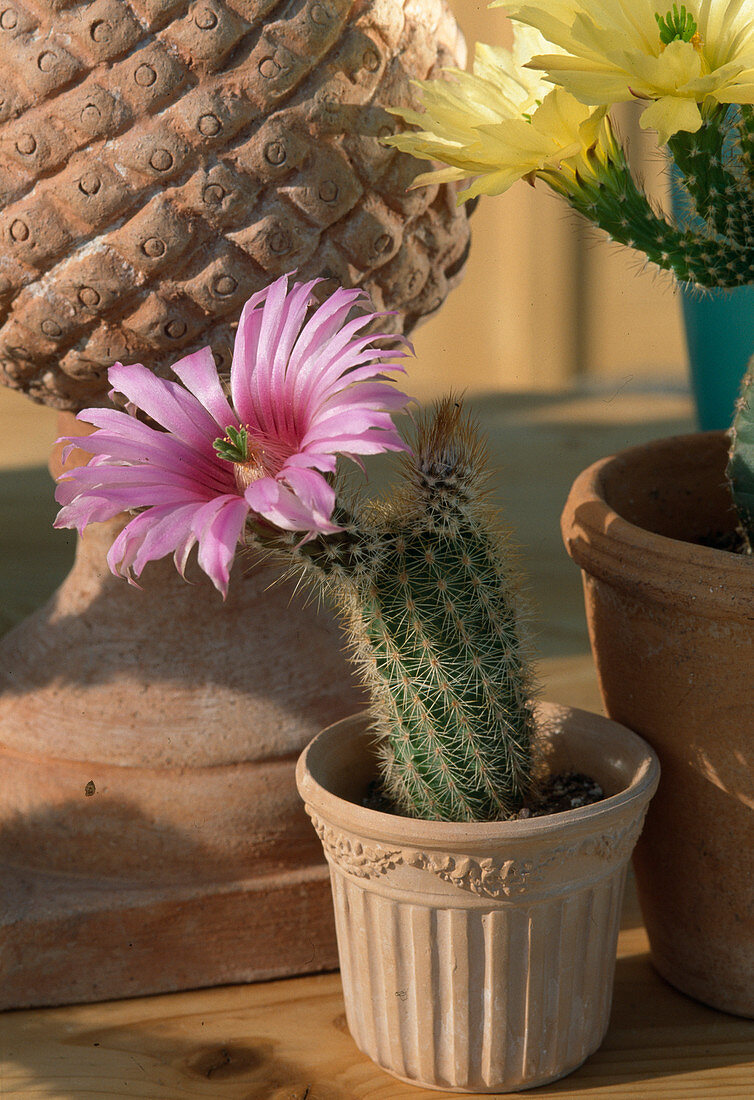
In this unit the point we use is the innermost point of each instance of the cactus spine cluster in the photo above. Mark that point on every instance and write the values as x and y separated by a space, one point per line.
717 248
424 584
740 470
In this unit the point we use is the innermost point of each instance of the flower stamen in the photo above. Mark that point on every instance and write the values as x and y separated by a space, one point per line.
678 26
246 455
234 446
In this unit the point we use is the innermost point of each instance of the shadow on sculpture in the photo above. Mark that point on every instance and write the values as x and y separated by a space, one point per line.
104 896
34 559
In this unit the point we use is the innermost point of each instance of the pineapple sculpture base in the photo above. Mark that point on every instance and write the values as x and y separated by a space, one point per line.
163 161
150 831
71 943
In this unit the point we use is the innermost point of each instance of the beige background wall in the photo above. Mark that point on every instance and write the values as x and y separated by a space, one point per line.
547 301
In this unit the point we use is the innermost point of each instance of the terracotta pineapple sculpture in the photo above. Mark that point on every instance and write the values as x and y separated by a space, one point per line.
160 161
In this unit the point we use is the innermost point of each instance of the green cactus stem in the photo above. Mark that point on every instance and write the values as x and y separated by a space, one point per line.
433 629
720 189
611 199
745 128
425 586
740 471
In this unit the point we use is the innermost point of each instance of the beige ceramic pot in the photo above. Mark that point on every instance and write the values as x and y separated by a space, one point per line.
479 957
671 627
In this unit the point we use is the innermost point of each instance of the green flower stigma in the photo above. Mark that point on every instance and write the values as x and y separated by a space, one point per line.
529 115
676 25
235 446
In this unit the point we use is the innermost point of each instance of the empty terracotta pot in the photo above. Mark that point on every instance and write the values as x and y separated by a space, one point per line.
671 628
479 957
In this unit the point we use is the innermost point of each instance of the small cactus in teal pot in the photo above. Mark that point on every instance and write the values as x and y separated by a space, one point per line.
542 113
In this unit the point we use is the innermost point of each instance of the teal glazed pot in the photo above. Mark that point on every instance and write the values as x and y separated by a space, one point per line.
719 327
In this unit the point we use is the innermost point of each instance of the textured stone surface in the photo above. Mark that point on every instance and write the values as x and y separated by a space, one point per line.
151 837
170 675
160 161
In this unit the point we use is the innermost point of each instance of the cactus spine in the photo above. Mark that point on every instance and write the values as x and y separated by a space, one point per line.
424 585
719 252
740 470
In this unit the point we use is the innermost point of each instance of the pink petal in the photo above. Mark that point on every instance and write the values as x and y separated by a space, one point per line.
306 459
278 505
218 527
170 448
367 443
85 510
315 493
199 375
296 310
245 355
158 450
271 321
378 395
340 370
308 373
165 402
150 536
323 324
94 475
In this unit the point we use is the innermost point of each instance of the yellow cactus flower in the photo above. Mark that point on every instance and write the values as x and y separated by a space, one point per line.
500 123
685 60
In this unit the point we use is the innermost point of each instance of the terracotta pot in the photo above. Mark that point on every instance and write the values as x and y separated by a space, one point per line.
671 627
479 957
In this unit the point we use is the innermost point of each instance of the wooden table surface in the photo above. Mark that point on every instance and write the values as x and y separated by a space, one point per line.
287 1040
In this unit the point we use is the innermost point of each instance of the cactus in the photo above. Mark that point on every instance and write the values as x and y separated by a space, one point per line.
714 178
425 587
740 472
700 254
534 114
719 252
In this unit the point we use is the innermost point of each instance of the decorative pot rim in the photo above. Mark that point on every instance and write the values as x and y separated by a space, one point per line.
634 753
716 583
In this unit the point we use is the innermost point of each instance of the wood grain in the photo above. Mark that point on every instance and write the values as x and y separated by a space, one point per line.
288 1040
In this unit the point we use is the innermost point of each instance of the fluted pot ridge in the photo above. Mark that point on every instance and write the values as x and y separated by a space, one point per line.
479 957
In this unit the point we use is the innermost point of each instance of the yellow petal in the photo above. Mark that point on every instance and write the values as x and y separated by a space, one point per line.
442 175
670 114
678 64
612 48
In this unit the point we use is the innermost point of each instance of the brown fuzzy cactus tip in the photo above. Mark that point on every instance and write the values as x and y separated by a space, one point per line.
163 160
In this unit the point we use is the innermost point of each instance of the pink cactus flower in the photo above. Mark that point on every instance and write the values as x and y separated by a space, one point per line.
305 387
